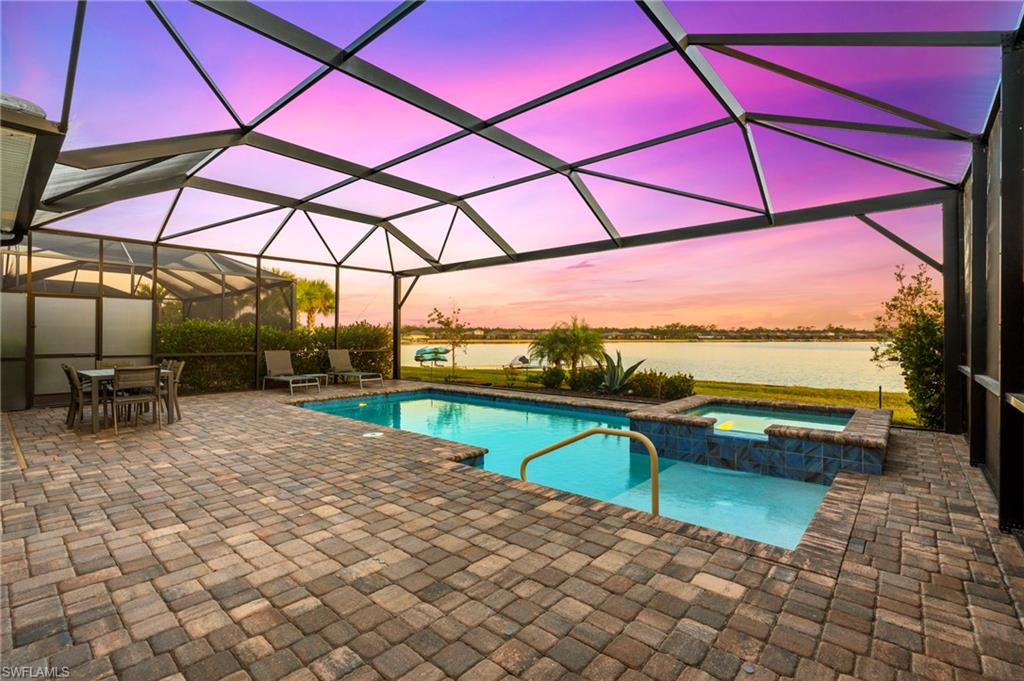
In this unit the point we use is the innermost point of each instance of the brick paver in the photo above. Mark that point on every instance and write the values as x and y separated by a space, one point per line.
255 540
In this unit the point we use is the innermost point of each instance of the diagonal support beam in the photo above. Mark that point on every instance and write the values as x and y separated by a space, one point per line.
486 228
595 208
902 243
409 243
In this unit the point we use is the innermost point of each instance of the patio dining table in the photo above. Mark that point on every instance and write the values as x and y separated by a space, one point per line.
99 376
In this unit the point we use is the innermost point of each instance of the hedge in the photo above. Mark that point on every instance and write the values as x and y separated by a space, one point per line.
370 346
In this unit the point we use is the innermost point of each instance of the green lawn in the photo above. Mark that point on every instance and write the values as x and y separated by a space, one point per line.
902 413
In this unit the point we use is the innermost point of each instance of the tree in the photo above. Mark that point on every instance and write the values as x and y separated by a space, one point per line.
453 330
912 323
569 343
313 297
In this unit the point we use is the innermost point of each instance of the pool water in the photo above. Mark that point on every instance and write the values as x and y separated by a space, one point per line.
752 421
767 509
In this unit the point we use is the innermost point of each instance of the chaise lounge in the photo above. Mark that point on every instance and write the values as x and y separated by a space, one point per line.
279 368
341 365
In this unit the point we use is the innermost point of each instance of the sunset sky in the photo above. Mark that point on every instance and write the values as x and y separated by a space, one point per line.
135 84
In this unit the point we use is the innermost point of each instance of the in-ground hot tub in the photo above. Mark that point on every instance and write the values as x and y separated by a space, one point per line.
791 440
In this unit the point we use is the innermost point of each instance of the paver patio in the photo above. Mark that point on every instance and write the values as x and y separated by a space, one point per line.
258 540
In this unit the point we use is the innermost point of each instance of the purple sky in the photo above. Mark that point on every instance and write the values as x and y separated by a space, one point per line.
134 83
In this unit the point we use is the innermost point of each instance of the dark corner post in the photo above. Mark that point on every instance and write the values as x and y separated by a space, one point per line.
1011 301
952 330
256 336
337 302
155 314
396 328
978 355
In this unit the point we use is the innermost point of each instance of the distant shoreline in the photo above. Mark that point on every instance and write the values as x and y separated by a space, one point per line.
521 341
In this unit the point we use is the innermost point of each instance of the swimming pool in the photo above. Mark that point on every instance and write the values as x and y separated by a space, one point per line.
745 421
766 509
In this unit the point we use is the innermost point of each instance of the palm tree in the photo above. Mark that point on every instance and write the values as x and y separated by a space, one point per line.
569 343
313 297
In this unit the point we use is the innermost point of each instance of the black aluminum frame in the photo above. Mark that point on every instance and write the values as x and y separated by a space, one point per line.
947 193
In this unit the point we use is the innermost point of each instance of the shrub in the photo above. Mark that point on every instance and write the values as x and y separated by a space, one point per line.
552 377
370 347
913 322
586 380
659 385
648 383
677 386
616 377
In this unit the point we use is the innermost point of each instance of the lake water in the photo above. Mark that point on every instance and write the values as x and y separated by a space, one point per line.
814 364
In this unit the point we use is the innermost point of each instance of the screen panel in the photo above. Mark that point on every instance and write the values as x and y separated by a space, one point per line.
540 214
125 43
346 118
487 57
655 99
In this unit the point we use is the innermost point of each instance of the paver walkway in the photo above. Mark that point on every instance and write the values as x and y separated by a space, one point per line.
257 540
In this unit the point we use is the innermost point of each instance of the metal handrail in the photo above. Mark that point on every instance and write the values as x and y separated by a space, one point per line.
633 435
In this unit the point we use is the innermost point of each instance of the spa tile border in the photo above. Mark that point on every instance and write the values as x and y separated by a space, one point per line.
867 427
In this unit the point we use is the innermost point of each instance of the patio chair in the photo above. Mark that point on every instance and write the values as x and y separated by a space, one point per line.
113 363
169 387
80 396
137 386
279 368
341 365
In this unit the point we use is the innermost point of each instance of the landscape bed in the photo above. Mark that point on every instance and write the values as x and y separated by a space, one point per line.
766 509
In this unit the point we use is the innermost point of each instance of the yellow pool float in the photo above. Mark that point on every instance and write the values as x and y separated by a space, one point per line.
725 426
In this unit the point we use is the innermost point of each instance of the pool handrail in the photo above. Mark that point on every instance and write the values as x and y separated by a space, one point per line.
631 434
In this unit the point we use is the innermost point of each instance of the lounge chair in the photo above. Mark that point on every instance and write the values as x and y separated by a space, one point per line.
341 365
279 368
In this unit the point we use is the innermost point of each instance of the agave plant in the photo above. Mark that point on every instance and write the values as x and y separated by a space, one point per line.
616 377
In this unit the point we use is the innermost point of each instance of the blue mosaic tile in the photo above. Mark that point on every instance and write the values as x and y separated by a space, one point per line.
872 457
852 454
812 447
812 462
831 451
830 467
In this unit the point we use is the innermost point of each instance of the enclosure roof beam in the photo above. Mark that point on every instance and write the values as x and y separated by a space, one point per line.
115 154
831 211
356 170
670 190
820 84
910 170
238 191
69 81
854 39
906 131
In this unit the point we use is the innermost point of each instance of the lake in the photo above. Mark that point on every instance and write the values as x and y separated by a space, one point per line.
814 364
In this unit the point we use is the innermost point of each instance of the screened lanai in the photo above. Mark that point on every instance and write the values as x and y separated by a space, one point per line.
405 140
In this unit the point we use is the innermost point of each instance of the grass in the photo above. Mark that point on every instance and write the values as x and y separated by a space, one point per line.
902 413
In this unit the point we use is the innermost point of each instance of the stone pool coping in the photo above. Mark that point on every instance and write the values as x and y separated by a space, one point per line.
819 550
866 428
